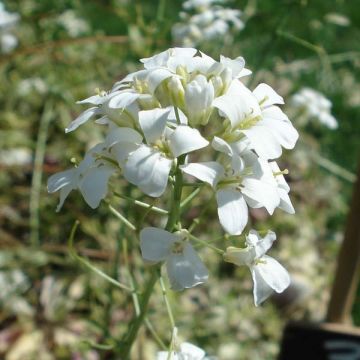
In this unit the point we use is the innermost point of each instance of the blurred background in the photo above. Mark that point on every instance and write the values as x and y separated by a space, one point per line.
56 52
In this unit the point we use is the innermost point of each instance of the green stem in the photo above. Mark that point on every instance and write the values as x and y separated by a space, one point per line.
138 321
173 220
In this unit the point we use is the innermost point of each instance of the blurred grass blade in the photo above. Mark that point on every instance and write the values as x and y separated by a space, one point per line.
88 265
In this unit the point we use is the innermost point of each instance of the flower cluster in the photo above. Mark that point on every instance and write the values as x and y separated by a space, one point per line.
205 20
8 41
315 105
184 101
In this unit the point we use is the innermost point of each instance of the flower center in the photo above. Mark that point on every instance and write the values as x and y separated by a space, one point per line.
178 247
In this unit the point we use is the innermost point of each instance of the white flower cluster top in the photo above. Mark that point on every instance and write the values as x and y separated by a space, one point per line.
181 102
205 20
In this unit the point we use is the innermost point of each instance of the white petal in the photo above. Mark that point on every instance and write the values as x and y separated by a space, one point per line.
185 139
266 95
240 256
281 127
155 244
64 193
222 146
192 351
210 172
236 65
232 210
65 181
244 72
186 270
280 179
94 100
153 123
93 186
259 193
164 355
149 170
156 185
285 202
61 179
260 245
273 273
261 289
122 150
122 100
122 134
238 103
82 118
264 142
156 77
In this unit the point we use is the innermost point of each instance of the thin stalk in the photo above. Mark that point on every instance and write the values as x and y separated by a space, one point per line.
122 218
88 265
135 297
167 302
155 335
205 243
142 204
34 204
190 197
138 320
197 221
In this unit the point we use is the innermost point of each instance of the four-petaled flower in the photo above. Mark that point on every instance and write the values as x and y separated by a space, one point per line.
268 275
184 267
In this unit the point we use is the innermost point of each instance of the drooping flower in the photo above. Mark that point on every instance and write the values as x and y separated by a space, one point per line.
268 274
184 267
90 178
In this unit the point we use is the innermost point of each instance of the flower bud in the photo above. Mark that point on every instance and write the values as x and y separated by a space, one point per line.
199 95
177 92
226 77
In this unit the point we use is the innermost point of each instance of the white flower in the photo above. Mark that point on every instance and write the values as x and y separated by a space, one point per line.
236 190
149 166
316 105
106 107
183 265
209 22
268 275
255 115
186 351
90 177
